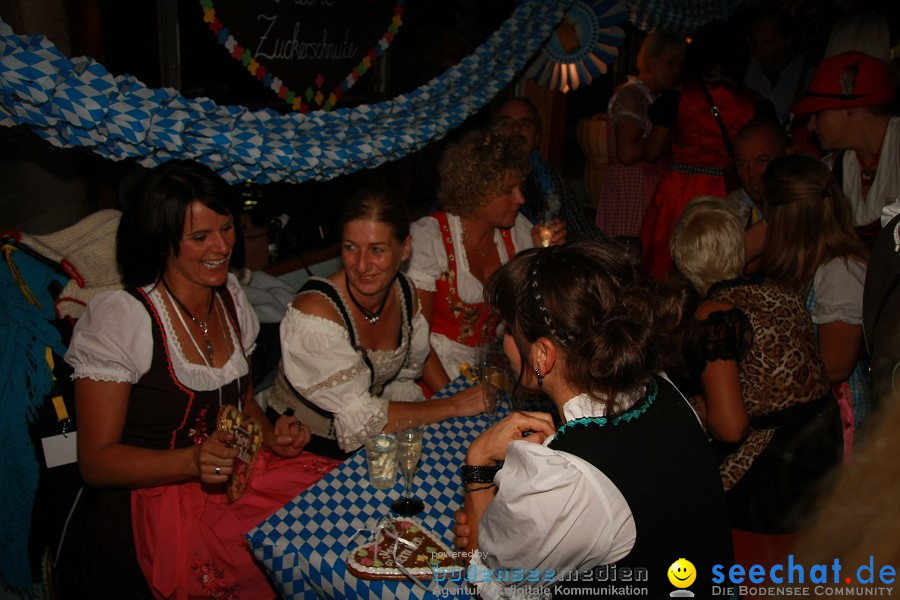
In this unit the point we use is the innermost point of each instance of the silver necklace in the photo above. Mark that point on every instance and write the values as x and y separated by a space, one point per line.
202 324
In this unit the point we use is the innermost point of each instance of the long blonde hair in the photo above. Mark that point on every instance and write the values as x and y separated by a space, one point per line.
809 220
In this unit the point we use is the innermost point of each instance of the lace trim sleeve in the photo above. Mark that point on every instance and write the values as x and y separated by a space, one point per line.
724 335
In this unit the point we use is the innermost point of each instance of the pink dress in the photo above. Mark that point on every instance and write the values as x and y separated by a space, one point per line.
191 543
627 189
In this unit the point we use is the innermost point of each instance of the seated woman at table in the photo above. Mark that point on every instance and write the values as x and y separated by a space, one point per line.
153 365
765 398
629 479
456 249
354 343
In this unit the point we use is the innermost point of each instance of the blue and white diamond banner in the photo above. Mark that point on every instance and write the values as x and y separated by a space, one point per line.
78 103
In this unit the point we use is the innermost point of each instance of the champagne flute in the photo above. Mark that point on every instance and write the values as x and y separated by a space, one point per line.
409 448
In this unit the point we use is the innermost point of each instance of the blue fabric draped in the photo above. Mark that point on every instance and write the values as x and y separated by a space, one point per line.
77 102
25 379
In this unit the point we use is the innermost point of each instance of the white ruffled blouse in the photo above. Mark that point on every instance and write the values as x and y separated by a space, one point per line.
553 510
320 363
429 260
113 341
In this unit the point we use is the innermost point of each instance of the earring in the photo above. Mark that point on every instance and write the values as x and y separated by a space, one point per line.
539 378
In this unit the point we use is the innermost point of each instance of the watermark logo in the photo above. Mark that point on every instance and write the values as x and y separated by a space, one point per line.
682 574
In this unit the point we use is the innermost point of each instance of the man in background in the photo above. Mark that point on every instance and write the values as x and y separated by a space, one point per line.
776 72
547 195
754 148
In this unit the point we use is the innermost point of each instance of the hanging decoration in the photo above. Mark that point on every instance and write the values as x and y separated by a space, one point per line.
78 102
315 95
679 17
583 46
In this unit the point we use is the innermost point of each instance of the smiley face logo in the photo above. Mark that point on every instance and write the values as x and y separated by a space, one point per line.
682 573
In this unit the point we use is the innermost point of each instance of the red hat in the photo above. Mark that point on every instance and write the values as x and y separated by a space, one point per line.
848 80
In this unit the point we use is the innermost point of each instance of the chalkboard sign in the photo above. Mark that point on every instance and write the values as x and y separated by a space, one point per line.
308 52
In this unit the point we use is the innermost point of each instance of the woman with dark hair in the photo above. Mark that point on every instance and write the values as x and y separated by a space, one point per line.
354 343
629 478
812 246
154 365
687 123
456 249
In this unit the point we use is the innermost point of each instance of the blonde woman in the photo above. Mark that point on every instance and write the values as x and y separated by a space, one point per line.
766 399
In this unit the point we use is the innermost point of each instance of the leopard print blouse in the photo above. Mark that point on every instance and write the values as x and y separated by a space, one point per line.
770 335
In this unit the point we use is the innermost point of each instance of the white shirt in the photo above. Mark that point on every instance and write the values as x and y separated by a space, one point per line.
887 178
838 286
552 510
113 341
429 261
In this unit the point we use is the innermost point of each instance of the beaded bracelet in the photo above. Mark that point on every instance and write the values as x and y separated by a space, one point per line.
478 489
478 474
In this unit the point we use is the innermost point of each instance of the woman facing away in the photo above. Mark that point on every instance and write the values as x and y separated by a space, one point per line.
456 249
631 180
354 343
766 401
812 246
605 488
153 366
687 123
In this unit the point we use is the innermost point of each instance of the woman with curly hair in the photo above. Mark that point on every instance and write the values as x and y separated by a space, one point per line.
456 249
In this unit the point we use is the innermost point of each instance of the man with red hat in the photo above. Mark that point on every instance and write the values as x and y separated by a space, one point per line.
849 99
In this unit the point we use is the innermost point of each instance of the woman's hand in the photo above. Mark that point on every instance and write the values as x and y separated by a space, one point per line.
215 453
490 447
469 402
289 437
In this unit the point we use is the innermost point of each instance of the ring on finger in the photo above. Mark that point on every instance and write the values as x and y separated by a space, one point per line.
218 470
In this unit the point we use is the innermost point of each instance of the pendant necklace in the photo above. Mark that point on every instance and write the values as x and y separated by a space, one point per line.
478 249
868 172
369 315
202 324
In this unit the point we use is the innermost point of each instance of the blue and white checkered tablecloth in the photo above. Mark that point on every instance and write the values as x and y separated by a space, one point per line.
303 545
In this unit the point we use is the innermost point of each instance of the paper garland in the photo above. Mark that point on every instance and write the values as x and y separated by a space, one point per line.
78 102
582 46
310 95
679 17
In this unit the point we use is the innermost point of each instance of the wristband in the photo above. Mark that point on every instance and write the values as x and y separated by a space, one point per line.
478 474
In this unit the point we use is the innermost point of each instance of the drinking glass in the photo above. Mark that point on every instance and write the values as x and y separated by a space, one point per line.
494 379
381 456
545 233
409 447
545 229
